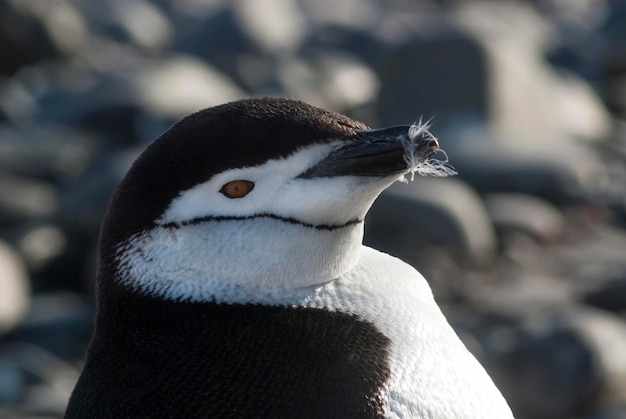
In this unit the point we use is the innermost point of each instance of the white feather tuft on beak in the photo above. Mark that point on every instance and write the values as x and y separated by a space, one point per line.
424 167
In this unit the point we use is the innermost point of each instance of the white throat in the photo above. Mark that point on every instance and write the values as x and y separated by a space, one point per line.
201 261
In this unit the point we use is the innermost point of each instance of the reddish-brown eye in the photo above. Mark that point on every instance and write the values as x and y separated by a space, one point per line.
237 189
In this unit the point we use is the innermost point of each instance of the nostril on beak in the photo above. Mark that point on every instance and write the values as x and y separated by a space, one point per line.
433 143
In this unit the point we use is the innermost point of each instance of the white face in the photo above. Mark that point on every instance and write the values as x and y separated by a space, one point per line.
278 191
286 233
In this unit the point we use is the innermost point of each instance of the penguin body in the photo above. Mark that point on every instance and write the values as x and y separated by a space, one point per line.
233 281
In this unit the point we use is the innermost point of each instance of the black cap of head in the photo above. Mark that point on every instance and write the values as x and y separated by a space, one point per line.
243 133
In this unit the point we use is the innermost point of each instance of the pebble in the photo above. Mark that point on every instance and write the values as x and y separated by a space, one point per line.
14 288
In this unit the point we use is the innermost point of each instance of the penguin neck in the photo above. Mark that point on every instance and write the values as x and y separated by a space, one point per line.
231 260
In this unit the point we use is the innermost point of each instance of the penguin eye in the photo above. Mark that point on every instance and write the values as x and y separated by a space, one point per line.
237 189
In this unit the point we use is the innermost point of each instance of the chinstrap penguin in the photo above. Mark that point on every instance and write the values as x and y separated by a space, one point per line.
233 281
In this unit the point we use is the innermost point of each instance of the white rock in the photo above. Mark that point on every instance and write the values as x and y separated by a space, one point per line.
278 26
14 288
182 85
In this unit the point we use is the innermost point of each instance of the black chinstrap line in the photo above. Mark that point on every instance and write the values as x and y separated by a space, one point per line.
289 220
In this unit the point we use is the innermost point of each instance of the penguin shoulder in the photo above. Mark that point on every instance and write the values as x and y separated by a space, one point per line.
433 373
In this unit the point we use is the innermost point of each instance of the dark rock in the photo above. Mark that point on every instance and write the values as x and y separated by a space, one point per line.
608 412
611 296
12 381
58 323
24 38
57 255
570 359
119 103
218 38
443 73
105 104
595 260
554 376
613 56
83 201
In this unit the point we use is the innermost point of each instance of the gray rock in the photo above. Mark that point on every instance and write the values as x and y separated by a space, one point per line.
528 100
51 153
40 244
516 289
12 381
595 260
358 14
51 379
507 118
568 175
23 198
136 22
526 214
16 103
407 218
360 43
275 26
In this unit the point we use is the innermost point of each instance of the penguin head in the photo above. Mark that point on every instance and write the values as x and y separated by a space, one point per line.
260 193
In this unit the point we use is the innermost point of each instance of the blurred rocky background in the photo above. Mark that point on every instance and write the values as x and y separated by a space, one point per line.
525 249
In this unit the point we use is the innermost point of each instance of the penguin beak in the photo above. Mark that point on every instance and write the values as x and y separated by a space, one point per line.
376 153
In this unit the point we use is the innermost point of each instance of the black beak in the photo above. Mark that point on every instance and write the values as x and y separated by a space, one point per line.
376 153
